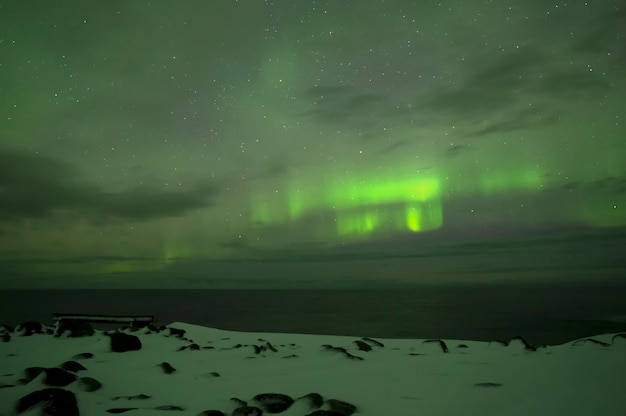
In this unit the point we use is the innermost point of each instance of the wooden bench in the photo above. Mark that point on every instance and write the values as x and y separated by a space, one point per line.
138 321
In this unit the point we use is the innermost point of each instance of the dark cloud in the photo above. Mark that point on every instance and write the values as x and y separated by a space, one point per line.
457 150
519 120
607 38
341 104
509 84
35 187
394 146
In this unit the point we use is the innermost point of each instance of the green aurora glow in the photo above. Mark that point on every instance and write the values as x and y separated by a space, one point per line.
140 137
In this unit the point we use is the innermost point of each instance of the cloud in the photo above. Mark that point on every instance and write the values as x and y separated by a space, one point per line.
38 187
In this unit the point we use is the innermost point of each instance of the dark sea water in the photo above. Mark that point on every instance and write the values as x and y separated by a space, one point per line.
542 314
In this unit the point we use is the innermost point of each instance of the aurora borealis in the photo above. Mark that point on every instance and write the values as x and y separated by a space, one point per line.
226 143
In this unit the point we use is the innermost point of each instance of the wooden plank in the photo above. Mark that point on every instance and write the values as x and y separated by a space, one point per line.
109 319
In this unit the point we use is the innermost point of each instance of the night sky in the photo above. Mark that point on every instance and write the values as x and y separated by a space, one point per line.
311 143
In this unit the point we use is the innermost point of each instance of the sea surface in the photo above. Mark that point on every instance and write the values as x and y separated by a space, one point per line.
541 314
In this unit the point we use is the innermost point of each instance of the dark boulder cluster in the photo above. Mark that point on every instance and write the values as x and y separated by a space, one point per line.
313 404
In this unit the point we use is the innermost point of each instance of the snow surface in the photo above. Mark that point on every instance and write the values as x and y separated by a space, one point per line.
403 377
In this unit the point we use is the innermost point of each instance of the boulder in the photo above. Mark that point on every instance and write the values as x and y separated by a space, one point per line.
29 328
341 407
313 400
74 329
72 366
167 367
89 384
58 377
56 402
273 402
247 411
121 342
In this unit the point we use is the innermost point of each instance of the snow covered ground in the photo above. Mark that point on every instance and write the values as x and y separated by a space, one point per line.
202 369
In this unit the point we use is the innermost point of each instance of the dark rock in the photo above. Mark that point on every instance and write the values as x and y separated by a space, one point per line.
31 372
169 407
180 333
273 402
247 411
5 386
211 413
290 356
498 342
89 384
238 402
325 413
5 337
488 384
527 345
74 329
121 409
314 400
6 328
343 351
341 407
192 347
56 402
442 344
270 347
362 346
167 367
373 341
208 347
462 346
58 377
83 356
72 366
29 328
618 337
592 341
121 342
135 397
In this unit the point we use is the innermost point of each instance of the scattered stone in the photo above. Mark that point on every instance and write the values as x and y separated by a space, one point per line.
592 341
74 329
215 374
5 337
121 342
416 353
343 351
362 346
193 347
247 411
167 367
135 397
341 407
175 332
238 402
325 413
4 386
121 409
313 400
521 340
442 344
30 373
290 356
373 341
488 384
72 366
56 402
273 402
211 413
621 337
89 384
58 377
462 346
169 407
29 328
83 356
